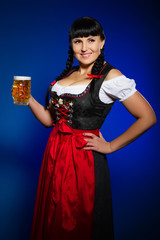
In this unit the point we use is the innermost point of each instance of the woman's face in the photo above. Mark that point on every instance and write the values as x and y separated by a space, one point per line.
87 49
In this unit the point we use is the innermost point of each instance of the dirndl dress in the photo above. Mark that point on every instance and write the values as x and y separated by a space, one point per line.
73 199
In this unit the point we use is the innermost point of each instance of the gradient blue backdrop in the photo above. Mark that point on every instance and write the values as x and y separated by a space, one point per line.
34 42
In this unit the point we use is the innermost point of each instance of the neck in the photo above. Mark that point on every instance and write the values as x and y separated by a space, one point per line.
84 69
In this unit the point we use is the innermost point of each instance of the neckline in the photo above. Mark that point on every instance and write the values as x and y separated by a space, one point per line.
78 85
72 94
88 86
75 69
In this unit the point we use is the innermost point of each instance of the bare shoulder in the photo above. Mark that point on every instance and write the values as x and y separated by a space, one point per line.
113 74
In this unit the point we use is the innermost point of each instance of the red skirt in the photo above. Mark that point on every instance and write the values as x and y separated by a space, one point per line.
65 197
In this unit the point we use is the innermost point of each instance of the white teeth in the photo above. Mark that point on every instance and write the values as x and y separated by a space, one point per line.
86 55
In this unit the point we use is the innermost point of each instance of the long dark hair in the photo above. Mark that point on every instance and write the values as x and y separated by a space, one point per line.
83 27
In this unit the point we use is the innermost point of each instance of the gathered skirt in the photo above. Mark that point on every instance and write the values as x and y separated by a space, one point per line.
73 199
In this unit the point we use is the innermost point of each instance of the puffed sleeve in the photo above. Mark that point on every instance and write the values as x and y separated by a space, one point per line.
119 88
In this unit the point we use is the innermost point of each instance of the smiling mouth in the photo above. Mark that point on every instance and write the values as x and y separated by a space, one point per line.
86 55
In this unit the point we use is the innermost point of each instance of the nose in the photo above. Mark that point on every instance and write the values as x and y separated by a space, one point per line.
84 47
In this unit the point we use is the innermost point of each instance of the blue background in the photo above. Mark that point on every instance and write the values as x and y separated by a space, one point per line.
34 42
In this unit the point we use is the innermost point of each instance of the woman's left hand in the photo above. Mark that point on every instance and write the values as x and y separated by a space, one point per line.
95 143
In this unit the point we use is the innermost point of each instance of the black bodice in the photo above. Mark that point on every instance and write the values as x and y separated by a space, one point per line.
85 110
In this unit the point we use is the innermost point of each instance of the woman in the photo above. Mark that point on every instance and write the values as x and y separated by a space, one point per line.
74 196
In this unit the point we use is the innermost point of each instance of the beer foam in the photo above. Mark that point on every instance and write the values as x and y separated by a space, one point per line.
22 78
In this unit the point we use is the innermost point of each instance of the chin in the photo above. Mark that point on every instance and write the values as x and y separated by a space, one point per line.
87 61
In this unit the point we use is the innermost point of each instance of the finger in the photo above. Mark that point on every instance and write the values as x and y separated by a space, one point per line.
89 134
88 148
89 140
89 144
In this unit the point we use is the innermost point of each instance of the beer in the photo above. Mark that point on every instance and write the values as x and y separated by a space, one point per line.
21 90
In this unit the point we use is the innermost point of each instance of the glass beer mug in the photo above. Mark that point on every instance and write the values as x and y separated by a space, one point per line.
21 90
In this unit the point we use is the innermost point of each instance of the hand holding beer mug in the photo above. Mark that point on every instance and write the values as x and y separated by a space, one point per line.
21 90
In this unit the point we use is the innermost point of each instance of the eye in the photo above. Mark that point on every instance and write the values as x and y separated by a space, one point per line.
77 41
91 40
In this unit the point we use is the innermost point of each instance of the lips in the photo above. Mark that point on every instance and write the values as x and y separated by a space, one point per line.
86 55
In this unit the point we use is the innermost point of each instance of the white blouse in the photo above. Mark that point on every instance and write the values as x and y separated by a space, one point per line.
119 88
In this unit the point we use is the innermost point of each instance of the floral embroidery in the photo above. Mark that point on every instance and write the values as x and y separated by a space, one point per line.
63 109
63 103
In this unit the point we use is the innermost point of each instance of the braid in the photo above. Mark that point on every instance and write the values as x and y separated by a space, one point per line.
98 63
68 64
64 73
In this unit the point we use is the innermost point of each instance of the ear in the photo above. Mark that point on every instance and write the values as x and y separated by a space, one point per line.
102 44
